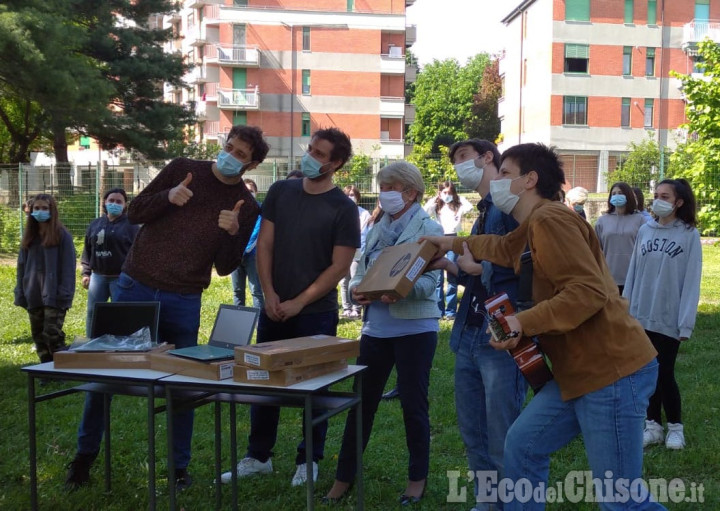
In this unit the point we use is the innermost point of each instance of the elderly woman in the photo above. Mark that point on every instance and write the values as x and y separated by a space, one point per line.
401 332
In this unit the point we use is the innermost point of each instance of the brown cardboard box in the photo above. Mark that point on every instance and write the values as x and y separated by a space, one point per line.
217 370
395 270
298 352
107 360
288 376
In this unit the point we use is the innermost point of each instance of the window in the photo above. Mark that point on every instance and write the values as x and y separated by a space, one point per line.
239 118
350 5
702 10
305 124
629 4
306 82
575 110
625 113
240 3
627 60
649 108
306 39
650 62
577 10
576 58
652 12
85 142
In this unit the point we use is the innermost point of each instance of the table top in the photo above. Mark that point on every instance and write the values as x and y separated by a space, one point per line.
48 369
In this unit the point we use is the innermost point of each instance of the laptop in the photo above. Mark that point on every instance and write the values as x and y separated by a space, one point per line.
122 318
234 326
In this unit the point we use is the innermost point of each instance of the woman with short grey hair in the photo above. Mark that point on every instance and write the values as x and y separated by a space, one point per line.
404 173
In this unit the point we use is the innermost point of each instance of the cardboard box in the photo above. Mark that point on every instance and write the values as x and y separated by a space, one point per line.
107 360
287 376
395 270
298 352
217 370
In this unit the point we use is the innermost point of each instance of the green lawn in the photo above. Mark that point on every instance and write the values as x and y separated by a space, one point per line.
385 458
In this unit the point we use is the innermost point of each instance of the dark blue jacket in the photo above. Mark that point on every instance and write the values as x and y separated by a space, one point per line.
496 279
107 244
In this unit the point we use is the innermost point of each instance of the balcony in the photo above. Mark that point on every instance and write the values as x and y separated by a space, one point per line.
238 99
393 62
696 31
197 74
196 35
410 35
211 129
233 55
392 107
408 3
409 113
411 72
210 92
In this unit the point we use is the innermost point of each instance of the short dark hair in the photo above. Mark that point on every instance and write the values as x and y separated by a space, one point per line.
682 189
295 174
253 136
640 198
631 205
250 182
121 191
342 147
545 161
481 147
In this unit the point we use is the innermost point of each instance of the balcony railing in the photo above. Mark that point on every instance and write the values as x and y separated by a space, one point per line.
211 129
239 99
234 55
393 62
696 31
410 35
392 107
409 113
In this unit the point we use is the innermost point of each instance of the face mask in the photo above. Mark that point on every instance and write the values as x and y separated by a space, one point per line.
618 200
469 175
41 215
353 198
392 202
447 198
228 165
310 167
502 197
662 208
578 207
114 209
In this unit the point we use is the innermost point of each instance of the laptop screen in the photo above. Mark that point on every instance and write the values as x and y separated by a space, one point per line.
125 318
234 326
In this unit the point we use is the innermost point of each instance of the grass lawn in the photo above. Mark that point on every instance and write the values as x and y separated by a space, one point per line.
385 458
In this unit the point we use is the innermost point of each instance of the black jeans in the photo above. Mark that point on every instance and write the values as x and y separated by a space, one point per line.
412 355
667 392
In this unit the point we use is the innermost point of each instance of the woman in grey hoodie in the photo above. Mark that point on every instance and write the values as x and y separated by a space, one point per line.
663 287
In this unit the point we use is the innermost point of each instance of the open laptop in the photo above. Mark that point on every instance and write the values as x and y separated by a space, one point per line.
234 326
122 318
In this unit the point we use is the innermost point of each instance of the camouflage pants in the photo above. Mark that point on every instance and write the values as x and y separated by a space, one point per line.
46 325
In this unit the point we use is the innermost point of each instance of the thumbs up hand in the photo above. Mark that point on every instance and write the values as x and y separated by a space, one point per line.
180 194
228 219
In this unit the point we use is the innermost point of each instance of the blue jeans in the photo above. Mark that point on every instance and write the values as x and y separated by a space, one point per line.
179 325
447 298
264 419
489 394
611 421
247 269
100 289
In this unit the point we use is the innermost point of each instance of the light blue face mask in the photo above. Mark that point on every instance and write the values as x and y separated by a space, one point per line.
41 215
310 167
618 200
114 209
228 165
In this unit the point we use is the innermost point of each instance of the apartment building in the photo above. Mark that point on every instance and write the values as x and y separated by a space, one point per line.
592 76
294 66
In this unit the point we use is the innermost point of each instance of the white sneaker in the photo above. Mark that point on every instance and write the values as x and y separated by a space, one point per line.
675 438
653 433
300 476
248 467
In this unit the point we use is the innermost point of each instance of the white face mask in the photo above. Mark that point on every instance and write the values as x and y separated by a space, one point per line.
468 174
662 208
391 202
502 197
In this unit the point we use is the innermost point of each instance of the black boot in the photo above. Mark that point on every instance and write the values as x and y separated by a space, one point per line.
78 473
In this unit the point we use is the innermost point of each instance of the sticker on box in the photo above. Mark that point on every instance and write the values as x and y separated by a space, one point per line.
415 269
226 371
251 359
257 374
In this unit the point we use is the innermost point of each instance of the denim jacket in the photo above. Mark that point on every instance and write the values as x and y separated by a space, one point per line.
496 279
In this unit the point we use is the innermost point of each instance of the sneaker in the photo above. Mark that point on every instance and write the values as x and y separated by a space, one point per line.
300 476
248 467
653 433
675 438
78 473
353 314
183 481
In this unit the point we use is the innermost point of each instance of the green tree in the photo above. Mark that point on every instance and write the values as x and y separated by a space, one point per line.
640 167
443 98
701 156
484 122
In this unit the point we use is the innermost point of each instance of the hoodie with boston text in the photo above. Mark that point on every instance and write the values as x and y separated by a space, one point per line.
663 280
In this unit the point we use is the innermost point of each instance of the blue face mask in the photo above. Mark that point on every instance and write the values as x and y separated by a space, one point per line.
114 209
41 215
229 166
618 200
310 166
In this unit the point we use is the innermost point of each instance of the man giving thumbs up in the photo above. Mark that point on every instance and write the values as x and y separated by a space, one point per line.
195 214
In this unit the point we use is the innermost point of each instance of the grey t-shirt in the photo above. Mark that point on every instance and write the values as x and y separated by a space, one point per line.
307 229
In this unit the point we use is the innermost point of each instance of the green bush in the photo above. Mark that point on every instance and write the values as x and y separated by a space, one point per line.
10 219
